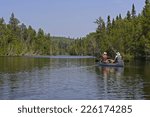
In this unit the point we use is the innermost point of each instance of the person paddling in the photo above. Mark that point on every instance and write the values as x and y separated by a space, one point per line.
118 58
104 58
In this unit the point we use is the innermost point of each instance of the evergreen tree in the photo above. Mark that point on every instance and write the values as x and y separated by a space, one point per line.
133 13
108 24
128 15
146 18
146 26
13 22
117 17
120 17
113 23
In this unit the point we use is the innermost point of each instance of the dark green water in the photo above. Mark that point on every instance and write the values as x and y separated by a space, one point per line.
71 78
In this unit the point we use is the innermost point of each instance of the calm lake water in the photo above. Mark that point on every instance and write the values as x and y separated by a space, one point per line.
71 78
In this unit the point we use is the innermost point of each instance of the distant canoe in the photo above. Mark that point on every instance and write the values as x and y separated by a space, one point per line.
119 64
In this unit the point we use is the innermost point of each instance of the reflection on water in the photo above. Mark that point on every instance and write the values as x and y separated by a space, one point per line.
118 86
71 78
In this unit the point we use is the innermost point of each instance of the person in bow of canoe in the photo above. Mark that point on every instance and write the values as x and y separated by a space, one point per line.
104 58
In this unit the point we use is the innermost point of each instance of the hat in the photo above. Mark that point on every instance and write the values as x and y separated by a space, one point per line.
105 52
118 53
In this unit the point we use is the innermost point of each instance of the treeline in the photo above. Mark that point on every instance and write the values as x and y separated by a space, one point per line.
129 35
16 39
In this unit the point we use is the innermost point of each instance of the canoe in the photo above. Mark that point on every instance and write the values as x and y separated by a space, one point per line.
119 64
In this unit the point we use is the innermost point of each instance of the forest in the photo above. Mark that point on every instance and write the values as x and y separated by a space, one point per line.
130 35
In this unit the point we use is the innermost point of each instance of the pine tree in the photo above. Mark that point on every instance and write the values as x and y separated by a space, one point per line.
13 22
120 17
146 18
133 13
146 26
117 17
128 15
101 24
108 24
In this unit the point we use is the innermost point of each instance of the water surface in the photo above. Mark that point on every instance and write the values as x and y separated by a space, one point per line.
65 77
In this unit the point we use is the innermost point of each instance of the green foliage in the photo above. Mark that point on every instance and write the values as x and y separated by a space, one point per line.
17 39
129 35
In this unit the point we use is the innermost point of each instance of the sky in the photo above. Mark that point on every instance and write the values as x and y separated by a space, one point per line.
69 18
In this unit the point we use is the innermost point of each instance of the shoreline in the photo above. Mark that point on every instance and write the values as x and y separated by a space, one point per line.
52 56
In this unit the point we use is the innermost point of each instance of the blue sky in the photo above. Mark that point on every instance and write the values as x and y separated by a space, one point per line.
70 18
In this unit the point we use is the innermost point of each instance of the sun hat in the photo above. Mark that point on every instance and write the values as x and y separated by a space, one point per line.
105 52
118 53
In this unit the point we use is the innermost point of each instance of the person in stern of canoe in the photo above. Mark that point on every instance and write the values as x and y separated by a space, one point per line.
118 58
